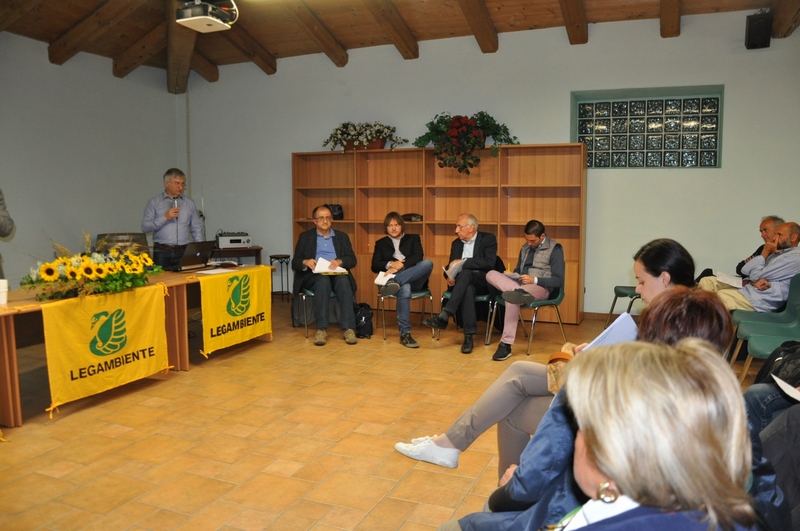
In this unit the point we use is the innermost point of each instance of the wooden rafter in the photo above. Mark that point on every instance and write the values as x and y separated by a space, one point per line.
141 51
319 33
205 68
395 27
87 30
785 17
10 12
239 37
670 16
481 24
180 48
575 21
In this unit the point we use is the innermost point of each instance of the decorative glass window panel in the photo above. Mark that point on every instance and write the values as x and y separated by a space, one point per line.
677 127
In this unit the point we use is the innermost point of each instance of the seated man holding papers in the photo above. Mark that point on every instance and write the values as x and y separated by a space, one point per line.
322 262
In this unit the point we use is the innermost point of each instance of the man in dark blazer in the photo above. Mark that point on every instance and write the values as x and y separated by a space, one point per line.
400 254
334 246
475 253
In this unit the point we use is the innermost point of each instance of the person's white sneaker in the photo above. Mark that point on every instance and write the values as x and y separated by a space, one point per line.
428 451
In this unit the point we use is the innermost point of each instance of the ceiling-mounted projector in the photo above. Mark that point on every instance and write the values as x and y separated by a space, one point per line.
206 17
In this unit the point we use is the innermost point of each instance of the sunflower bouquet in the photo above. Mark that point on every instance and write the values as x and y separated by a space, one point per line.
76 275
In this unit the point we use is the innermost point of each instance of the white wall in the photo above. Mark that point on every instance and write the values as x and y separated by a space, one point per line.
243 129
80 150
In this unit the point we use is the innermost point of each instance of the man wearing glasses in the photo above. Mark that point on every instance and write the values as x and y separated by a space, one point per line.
472 254
322 242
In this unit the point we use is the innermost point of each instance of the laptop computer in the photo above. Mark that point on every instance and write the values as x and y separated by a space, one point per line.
196 255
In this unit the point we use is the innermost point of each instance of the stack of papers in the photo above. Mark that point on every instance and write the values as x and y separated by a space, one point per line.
324 268
621 330
455 269
383 277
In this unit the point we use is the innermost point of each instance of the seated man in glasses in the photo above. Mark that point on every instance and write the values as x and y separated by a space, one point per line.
322 242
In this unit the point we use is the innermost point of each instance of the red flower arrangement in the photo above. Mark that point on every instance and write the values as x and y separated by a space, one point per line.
456 139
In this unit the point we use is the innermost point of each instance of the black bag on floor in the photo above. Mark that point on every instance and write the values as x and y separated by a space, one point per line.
784 362
363 313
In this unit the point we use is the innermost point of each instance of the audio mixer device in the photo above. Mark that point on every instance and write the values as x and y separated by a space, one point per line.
233 240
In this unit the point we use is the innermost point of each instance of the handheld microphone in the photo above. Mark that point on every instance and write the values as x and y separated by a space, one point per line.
175 203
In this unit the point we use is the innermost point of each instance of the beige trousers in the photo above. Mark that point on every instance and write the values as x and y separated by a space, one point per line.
731 297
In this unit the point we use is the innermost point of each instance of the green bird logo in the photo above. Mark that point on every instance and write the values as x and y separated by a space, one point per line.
238 295
110 335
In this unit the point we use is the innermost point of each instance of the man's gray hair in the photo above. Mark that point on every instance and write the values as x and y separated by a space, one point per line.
776 220
173 172
471 219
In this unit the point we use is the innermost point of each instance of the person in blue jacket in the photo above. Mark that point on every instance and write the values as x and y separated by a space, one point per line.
641 465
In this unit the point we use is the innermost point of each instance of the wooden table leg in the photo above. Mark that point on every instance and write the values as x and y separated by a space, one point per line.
10 401
177 326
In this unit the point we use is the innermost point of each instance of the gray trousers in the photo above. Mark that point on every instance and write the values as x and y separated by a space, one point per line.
516 402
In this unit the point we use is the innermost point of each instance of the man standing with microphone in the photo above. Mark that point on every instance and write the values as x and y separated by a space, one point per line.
171 217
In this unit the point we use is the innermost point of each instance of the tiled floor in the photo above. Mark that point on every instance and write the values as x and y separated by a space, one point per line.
280 435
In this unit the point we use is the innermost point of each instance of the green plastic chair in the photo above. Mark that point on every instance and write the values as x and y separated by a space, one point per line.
622 291
782 324
414 295
761 347
787 315
478 298
535 305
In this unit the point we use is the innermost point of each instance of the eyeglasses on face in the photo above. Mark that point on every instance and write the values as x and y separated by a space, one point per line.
462 227
393 226
324 218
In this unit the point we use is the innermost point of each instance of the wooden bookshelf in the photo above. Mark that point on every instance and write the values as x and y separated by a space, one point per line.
544 182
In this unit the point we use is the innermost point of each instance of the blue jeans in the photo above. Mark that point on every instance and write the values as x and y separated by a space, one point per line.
764 402
410 279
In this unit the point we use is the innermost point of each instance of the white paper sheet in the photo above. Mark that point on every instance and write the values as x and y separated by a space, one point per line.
622 329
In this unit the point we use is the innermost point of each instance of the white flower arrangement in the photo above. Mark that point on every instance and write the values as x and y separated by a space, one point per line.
361 134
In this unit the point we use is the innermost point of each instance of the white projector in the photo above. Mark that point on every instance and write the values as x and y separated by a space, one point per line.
203 17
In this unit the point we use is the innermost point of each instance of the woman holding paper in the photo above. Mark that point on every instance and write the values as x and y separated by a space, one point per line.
518 399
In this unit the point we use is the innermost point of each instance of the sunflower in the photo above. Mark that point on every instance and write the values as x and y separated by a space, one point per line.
48 272
146 260
136 268
112 268
87 269
100 271
73 273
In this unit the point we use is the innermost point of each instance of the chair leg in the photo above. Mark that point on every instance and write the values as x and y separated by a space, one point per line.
530 337
736 351
610 312
560 324
430 298
305 315
630 304
490 322
743 375
382 306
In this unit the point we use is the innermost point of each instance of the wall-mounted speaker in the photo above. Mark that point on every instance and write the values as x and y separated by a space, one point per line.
758 32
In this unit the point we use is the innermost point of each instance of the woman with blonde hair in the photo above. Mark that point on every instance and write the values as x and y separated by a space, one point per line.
684 462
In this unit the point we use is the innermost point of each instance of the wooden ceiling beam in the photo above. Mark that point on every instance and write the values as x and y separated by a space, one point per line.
141 51
670 17
575 21
87 30
11 12
481 24
239 37
785 17
180 48
319 33
395 27
205 68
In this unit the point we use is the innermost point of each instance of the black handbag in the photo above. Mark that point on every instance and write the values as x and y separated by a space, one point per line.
336 211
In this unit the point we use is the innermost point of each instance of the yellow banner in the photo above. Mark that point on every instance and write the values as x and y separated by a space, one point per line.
99 342
236 306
